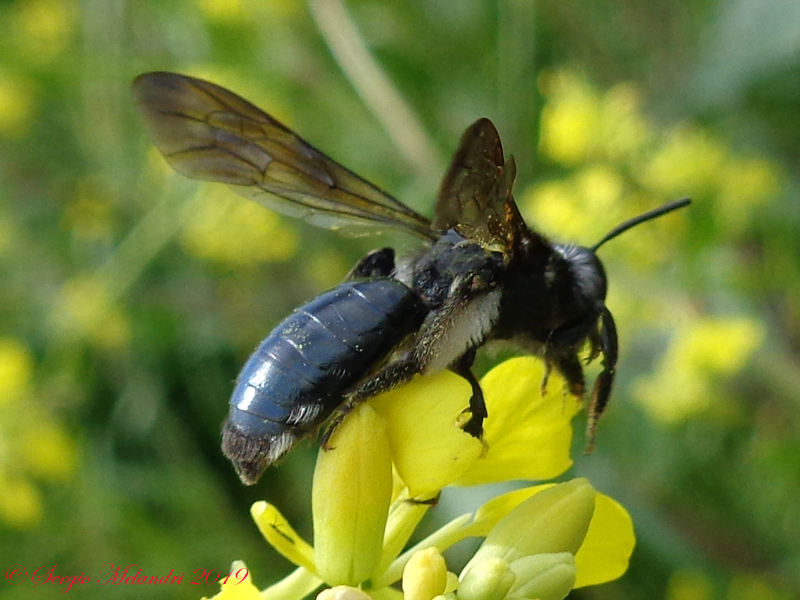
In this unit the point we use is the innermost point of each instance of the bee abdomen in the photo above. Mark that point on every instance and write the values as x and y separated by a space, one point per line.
300 373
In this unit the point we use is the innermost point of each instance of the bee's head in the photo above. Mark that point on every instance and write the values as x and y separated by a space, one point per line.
588 274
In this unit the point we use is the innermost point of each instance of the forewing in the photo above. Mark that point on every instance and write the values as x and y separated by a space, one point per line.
206 132
475 197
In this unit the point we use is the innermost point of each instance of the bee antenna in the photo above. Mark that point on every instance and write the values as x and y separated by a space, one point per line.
652 214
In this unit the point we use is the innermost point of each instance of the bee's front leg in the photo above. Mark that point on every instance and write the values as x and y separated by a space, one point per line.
609 348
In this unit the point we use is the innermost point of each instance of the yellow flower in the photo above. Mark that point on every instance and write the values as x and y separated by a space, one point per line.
43 28
21 504
581 125
238 585
576 206
16 370
44 451
687 163
570 120
529 435
541 540
87 307
17 105
554 538
220 227
700 352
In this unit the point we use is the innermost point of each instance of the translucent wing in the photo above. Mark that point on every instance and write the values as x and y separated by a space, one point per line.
475 197
206 132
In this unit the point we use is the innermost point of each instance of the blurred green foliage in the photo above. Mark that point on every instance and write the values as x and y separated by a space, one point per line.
130 297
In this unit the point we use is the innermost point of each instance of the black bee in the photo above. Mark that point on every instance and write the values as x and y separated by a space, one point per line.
482 276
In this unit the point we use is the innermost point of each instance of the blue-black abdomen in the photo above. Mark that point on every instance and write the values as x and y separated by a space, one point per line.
300 373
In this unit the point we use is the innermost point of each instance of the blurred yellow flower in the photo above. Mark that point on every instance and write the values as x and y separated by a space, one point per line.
574 208
16 370
745 184
687 161
223 11
86 308
625 130
16 106
90 215
618 157
21 505
699 353
44 451
221 227
690 584
43 28
570 119
580 125
746 586
48 452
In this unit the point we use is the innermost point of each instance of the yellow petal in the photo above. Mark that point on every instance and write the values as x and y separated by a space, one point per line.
498 507
429 448
238 585
608 546
529 435
281 536
350 498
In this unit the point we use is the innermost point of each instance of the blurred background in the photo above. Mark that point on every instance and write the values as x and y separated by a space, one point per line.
130 297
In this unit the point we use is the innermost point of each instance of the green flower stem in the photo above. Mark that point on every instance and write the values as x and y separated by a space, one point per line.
298 584
451 533
404 516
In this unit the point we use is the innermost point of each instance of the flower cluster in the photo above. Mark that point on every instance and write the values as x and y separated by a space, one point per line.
392 457
619 161
27 455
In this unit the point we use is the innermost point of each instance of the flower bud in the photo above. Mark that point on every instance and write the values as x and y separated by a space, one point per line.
554 520
489 579
343 592
543 576
425 575
350 498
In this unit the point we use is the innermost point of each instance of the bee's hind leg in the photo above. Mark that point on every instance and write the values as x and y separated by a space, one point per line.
477 404
387 378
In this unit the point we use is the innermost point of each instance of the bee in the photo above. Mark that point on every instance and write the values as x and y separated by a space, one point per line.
481 275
